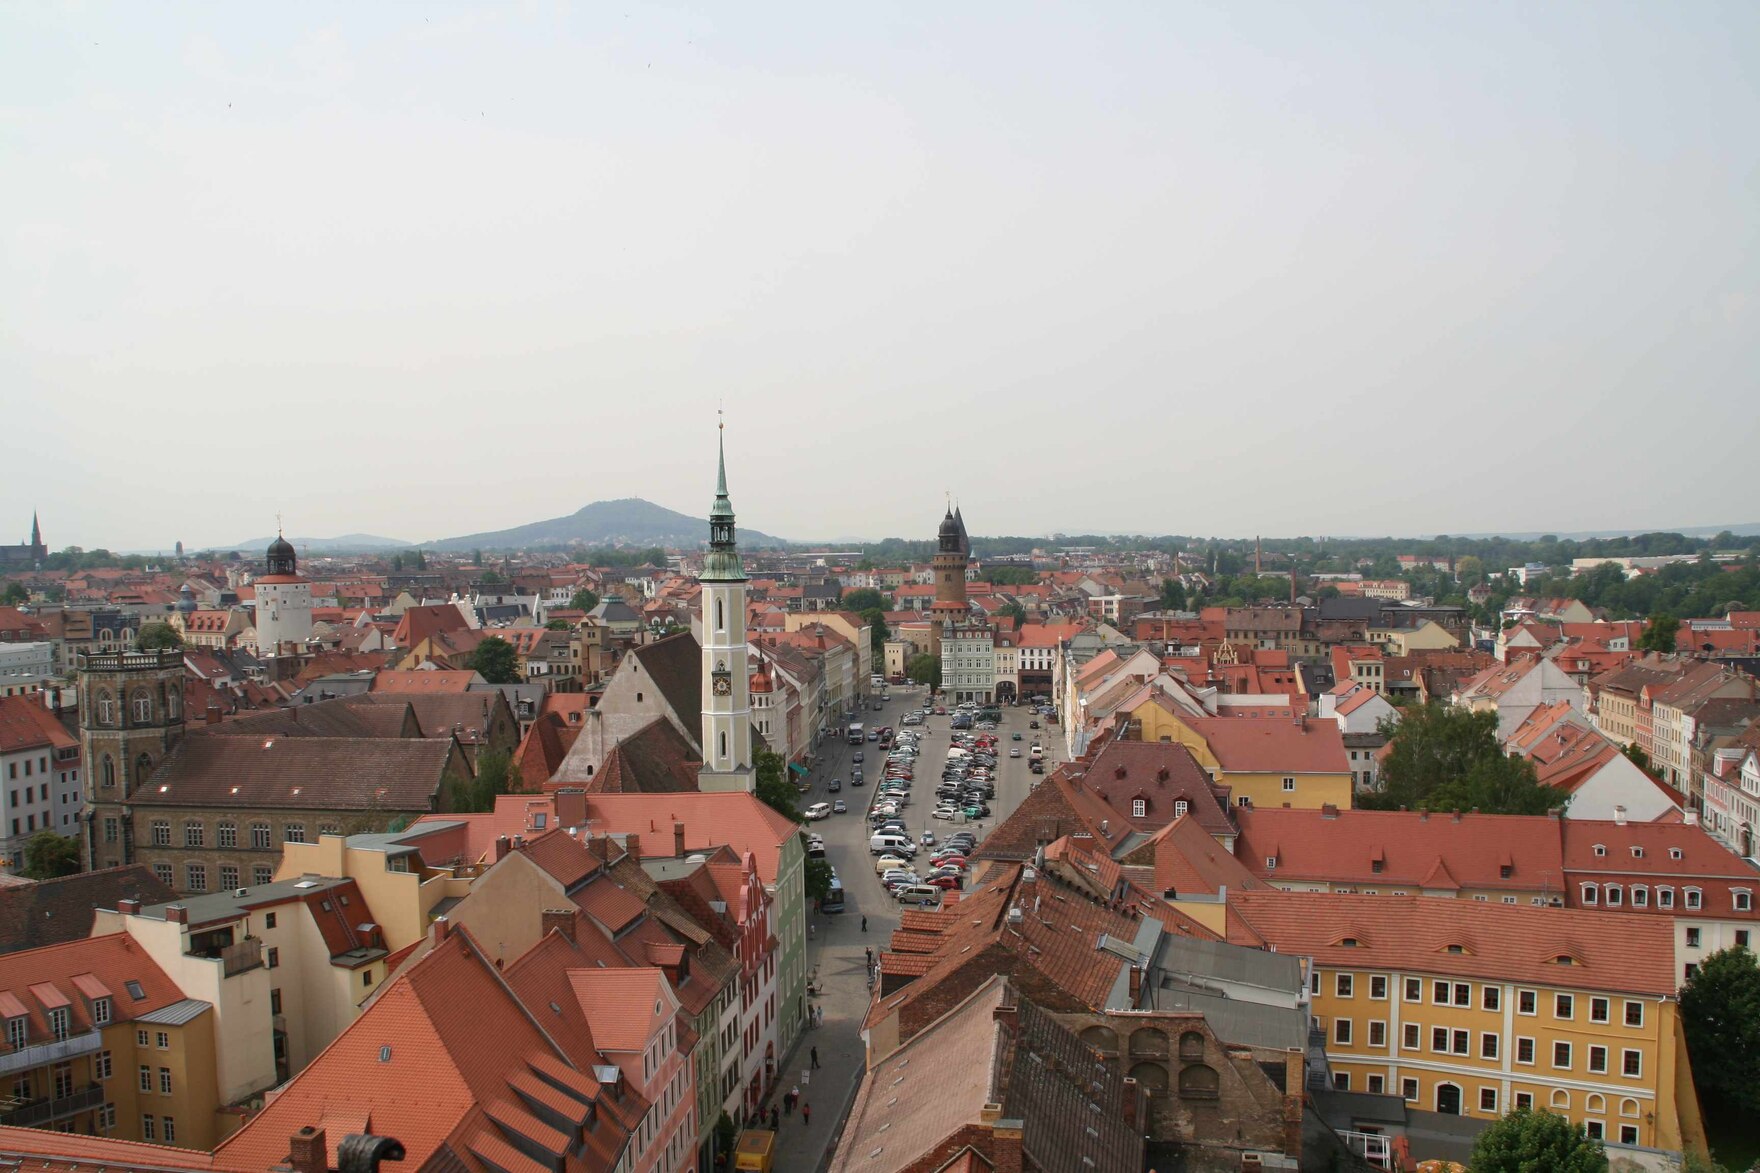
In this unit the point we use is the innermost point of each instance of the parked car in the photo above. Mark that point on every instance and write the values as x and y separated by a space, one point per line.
888 863
928 838
839 807
918 894
944 812
818 810
834 785
943 882
1033 724
1015 752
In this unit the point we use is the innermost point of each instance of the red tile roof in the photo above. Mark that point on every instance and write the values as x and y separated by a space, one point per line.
1257 745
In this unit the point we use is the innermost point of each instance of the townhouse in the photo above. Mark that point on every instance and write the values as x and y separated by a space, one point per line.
40 783
1477 1009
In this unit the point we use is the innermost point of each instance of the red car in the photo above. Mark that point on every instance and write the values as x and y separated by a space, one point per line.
943 882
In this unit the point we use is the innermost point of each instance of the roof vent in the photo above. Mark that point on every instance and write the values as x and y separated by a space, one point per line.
1015 916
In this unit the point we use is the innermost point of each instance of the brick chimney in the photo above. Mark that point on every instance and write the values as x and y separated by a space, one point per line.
678 840
129 907
632 846
177 914
571 807
1328 810
1005 1148
558 918
212 715
442 929
1128 1103
310 1152
502 846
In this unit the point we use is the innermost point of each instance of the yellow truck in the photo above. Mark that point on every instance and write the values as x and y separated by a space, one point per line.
756 1151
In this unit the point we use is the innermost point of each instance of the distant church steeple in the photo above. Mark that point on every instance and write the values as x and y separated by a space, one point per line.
726 696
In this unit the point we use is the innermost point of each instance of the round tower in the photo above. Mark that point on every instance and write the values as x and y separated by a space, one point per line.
284 603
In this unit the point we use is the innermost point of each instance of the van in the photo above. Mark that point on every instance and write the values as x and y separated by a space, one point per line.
890 841
919 894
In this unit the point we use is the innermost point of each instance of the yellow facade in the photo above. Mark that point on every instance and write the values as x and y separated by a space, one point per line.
1606 1060
1310 791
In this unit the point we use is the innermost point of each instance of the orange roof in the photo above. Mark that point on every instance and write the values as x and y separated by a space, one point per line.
736 819
424 680
35 981
624 1006
1499 942
1400 848
1257 745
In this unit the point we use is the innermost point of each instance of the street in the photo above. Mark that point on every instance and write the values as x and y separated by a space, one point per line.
835 948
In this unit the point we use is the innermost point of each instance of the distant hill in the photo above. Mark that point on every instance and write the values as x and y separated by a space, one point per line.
342 544
627 522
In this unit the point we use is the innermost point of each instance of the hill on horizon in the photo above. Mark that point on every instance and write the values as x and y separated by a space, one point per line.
341 544
628 521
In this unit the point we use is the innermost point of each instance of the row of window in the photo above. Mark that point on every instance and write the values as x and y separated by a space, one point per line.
195 876
1692 899
140 705
1448 1099
1456 1041
1444 993
146 1079
195 833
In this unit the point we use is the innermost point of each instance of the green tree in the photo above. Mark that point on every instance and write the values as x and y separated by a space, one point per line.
818 878
1639 758
48 855
1469 569
1173 594
153 636
1720 1014
495 660
491 578
494 776
1009 575
584 600
14 594
1015 611
924 669
878 632
421 561
864 599
558 625
774 788
1526 1141
1659 634
1442 757
726 1136
397 562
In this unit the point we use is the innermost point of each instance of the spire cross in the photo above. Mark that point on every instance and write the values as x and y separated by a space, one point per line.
278 532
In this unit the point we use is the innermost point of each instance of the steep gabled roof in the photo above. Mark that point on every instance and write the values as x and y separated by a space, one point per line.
676 666
53 911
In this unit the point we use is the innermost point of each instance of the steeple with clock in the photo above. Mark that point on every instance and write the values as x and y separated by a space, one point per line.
727 706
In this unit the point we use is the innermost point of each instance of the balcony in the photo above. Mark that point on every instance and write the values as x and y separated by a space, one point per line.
235 958
39 1054
41 1112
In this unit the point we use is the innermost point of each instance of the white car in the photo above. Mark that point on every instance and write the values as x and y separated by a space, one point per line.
944 812
1014 751
819 810
888 863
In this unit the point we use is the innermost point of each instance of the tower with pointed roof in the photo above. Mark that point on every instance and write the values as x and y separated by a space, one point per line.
953 550
26 555
284 602
727 706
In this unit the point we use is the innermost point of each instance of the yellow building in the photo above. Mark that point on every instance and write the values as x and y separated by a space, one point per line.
1479 1009
1265 761
100 1040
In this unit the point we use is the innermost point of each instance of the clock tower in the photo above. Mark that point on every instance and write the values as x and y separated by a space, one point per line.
727 706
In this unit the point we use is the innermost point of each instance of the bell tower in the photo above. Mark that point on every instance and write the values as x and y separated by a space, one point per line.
130 718
727 705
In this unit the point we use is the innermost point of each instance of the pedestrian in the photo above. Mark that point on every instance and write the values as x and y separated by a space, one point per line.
870 952
775 1118
815 1058
864 924
806 1113
794 1096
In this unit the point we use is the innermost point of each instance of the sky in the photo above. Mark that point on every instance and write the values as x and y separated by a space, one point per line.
1233 268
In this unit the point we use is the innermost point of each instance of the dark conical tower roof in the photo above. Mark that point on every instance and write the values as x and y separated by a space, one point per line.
281 558
948 536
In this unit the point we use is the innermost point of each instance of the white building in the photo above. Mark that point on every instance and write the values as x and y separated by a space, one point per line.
726 697
284 602
39 777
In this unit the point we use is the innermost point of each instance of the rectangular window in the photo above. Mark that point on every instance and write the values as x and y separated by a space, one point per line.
260 836
162 873
162 1040
149 1127
1525 1051
1564 1006
1665 897
107 1117
1414 990
262 874
1341 1031
170 1130
228 877
293 833
1341 1081
226 834
1409 1036
1635 1010
1628 1134
164 1081
1289 784
1439 1039
101 1065
1439 993
1598 1060
1488 1045
1561 1055
1527 1002
1409 1089
1593 1129
161 833
274 957
146 1080
1377 1033
140 1038
1378 987
1463 994
1377 1085
111 829
197 874
1343 984
100 1011
275 1000
1631 1063
1524 1100
193 834
1692 938
1463 1042
1487 1099
58 1023
17 1031
1490 997
269 920
1692 898
1599 1009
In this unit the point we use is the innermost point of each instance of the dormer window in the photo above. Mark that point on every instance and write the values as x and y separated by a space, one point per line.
1139 808
1457 949
1637 853
100 1011
1505 871
1675 853
1694 898
17 1032
1600 850
1591 893
1271 863
1742 898
1376 866
58 1023
1180 807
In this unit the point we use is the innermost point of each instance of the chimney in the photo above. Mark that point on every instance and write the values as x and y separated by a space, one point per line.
561 919
502 846
177 914
442 928
1690 818
1328 810
212 715
1136 984
1005 1146
678 839
1128 1104
632 847
130 907
310 1153
1619 816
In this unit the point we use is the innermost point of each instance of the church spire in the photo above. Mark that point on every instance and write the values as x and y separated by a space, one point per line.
722 563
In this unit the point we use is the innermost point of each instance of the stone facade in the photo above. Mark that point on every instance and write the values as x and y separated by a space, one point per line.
131 717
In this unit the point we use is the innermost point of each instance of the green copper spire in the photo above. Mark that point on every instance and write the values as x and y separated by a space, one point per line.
722 563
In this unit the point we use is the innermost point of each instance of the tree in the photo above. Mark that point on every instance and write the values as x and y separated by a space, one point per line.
421 561
774 788
153 636
878 632
558 625
1659 635
1469 569
494 775
495 660
15 594
584 600
924 669
864 599
1526 1141
1009 575
1442 757
1015 611
476 557
1720 1014
1173 594
726 1135
48 855
818 877
491 578
1639 758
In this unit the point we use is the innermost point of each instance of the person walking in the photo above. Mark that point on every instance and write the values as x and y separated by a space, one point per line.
870 953
775 1118
864 924
815 1058
806 1113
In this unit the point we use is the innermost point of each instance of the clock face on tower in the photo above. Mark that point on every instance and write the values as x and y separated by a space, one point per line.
721 681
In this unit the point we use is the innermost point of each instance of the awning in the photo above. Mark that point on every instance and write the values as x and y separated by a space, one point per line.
798 768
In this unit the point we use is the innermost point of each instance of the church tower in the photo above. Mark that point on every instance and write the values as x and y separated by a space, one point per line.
284 603
952 553
727 706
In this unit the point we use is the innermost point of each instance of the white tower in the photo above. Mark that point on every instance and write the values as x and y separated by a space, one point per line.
284 603
727 706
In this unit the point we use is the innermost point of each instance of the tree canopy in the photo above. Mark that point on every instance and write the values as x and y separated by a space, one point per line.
494 776
495 661
1008 575
924 668
878 632
818 877
1526 1141
1720 1014
1443 757
864 599
154 636
774 788
1659 635
48 855
584 600
14 594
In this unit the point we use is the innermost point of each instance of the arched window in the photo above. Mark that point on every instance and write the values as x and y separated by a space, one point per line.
106 707
141 706
1149 1041
173 702
1561 1099
109 770
720 619
1595 1104
1102 1039
1199 1082
1150 1076
1628 1107
1191 1045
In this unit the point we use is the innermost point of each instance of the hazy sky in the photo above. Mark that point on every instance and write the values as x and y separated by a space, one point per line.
1232 268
